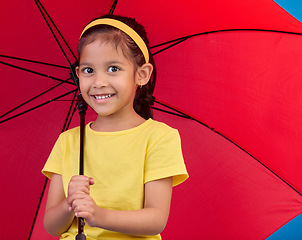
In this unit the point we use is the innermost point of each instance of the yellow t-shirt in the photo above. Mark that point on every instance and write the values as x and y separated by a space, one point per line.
120 164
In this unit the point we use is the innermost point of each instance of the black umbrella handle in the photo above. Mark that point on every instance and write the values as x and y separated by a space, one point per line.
81 235
82 107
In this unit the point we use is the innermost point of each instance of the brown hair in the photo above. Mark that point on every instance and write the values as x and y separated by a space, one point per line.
144 96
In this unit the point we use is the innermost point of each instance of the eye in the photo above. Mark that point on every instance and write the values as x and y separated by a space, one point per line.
113 69
87 70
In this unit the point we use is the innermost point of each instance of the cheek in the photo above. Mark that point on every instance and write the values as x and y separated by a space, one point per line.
83 86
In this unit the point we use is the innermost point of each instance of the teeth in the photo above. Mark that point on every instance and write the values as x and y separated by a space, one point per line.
103 97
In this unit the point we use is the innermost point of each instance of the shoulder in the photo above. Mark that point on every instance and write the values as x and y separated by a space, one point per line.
71 132
159 127
159 133
69 136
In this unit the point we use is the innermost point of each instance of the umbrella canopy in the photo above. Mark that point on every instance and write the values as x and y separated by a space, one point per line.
233 69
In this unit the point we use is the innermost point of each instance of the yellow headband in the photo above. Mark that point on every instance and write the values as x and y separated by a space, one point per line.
126 29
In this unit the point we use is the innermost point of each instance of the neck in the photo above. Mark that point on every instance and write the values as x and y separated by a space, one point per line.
114 124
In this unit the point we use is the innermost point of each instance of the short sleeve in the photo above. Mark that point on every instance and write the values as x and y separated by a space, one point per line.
53 163
165 159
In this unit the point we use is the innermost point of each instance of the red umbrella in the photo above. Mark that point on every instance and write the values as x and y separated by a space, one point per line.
239 82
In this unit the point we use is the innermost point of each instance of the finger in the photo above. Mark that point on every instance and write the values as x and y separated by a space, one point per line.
79 188
80 208
91 181
83 207
80 179
80 214
72 195
84 215
76 198
83 202
79 183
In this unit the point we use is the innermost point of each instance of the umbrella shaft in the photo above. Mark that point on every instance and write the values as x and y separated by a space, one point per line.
82 106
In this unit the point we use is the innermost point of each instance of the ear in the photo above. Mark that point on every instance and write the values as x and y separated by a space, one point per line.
77 71
144 74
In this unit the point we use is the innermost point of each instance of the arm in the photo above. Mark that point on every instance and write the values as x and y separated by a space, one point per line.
57 217
150 220
58 212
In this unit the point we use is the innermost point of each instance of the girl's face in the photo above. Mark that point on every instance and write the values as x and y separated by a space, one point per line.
108 80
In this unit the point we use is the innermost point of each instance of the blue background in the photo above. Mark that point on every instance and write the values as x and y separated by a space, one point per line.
294 7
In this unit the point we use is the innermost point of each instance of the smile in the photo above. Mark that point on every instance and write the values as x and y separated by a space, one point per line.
103 96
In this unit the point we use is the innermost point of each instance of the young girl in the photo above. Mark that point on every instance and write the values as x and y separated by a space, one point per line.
131 161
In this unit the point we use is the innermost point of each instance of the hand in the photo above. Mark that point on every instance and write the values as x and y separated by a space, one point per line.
79 199
78 184
85 207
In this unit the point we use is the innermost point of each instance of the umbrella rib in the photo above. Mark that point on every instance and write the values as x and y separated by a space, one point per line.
38 106
113 7
66 125
179 114
172 45
72 114
42 11
61 35
40 74
172 113
37 73
268 168
38 207
33 61
182 39
28 101
183 115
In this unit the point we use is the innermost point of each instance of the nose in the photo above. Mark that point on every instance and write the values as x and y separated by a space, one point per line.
100 81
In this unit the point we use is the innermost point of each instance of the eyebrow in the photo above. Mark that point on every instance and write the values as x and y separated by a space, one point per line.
106 63
84 63
113 62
